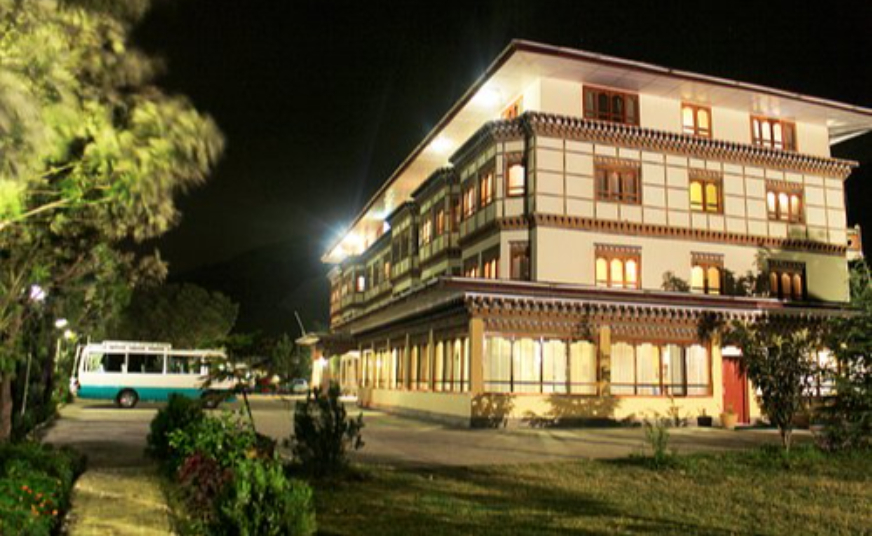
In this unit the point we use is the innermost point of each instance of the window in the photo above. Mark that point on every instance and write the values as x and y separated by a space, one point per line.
784 203
144 364
539 365
490 261
516 177
620 184
470 267
456 213
387 266
705 194
696 120
105 363
426 229
486 188
514 109
609 105
773 133
361 283
178 364
651 369
618 268
706 276
469 200
787 280
440 221
520 261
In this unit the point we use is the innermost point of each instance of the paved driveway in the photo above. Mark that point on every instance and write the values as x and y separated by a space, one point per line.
114 437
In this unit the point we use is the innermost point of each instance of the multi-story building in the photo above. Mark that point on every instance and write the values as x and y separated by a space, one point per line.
549 250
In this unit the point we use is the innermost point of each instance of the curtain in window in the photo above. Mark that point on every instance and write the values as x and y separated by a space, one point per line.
527 363
498 356
673 369
697 370
647 369
622 369
554 366
582 373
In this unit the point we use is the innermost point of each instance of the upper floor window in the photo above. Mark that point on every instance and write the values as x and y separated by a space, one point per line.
490 261
617 267
387 267
519 261
773 133
787 280
610 105
696 120
440 221
469 200
426 230
705 194
706 276
617 183
470 267
516 177
456 213
514 109
486 188
361 283
784 202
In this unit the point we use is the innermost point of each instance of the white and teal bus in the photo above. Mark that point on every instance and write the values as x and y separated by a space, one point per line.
128 372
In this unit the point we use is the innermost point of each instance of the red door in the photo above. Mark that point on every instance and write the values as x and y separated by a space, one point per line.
735 389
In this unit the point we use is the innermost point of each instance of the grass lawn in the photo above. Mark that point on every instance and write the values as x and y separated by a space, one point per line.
735 493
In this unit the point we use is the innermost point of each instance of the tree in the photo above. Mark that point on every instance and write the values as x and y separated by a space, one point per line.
850 339
185 315
289 360
777 360
91 156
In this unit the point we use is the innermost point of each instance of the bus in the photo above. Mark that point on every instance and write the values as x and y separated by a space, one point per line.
127 372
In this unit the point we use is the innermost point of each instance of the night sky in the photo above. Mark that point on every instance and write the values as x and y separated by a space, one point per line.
320 101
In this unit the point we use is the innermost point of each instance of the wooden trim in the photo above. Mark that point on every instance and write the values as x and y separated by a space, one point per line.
511 159
771 121
610 93
681 233
696 128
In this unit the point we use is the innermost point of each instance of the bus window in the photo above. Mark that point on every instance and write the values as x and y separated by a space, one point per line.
111 363
178 364
145 364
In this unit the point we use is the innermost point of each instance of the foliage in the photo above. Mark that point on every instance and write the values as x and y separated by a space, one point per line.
185 315
673 283
849 416
202 480
225 438
323 432
179 413
289 360
777 361
261 500
35 486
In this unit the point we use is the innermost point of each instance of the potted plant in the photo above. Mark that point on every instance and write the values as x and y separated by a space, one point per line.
704 420
729 418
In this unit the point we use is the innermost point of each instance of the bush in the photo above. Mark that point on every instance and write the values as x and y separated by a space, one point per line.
202 480
657 435
226 439
323 433
179 413
261 500
35 486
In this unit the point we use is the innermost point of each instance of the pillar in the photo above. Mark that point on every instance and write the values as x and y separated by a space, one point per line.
604 349
476 355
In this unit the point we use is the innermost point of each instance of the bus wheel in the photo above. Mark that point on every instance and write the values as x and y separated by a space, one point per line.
127 399
211 399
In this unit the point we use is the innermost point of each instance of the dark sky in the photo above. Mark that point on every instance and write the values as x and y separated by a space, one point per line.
320 101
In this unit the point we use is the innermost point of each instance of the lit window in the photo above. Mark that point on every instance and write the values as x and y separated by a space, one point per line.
470 267
486 188
426 230
786 280
489 262
773 133
516 179
609 105
696 120
705 195
617 184
706 275
361 283
515 109
652 369
469 201
784 203
440 221
617 270
520 261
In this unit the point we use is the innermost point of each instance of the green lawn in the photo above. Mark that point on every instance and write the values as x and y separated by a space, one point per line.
738 493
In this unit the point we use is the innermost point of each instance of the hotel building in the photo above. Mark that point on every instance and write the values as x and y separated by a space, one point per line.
549 250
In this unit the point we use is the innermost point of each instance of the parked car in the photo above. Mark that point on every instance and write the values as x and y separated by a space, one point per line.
299 385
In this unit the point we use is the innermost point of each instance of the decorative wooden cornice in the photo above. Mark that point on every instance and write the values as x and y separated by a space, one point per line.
704 174
784 186
630 136
490 132
680 233
618 249
704 257
613 161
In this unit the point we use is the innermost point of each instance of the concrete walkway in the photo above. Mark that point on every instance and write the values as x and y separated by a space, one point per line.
119 493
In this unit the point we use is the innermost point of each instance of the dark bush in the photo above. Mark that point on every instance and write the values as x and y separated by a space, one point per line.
202 480
226 439
179 413
323 432
261 500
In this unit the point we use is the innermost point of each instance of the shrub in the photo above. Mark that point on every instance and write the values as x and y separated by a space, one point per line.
35 486
179 413
657 435
261 500
323 433
226 439
202 480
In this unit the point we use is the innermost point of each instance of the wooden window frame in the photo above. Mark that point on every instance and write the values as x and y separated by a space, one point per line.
512 160
622 254
706 262
666 389
426 228
696 130
513 110
520 249
440 221
609 115
486 187
623 171
758 139
790 191
471 268
490 263
469 200
778 269
704 182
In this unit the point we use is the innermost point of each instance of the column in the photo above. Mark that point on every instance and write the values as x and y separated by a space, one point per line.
476 355
604 350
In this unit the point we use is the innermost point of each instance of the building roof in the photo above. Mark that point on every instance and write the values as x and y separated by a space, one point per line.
522 62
